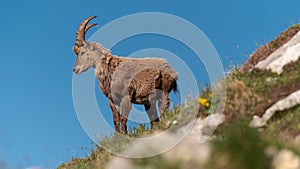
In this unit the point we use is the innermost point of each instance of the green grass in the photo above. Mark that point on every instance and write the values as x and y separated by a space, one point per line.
263 82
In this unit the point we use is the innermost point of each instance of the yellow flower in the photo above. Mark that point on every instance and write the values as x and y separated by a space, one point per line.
207 104
210 94
203 101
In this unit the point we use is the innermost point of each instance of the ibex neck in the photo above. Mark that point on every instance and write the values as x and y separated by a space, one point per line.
104 71
102 68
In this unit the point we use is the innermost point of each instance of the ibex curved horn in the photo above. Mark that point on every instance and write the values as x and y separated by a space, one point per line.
80 34
89 26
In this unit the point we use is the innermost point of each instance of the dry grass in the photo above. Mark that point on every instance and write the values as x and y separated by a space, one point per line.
240 100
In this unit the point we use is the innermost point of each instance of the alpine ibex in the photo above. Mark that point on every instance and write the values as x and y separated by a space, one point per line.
126 80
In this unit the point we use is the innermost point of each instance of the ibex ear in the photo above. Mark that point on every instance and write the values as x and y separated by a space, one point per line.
76 50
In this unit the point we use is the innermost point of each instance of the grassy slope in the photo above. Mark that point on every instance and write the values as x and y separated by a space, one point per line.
99 156
237 145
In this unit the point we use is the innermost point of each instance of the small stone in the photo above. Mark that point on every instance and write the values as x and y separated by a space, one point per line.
175 122
297 139
120 162
257 122
270 79
286 159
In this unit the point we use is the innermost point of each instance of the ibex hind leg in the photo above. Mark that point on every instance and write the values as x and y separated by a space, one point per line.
150 108
163 103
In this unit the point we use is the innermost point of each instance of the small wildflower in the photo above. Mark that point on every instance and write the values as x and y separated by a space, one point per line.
207 104
206 101
202 101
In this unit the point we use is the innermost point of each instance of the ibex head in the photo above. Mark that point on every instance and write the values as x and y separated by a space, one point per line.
87 53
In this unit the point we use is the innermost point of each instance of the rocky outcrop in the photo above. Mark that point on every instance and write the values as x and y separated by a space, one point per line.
287 53
266 50
286 103
192 151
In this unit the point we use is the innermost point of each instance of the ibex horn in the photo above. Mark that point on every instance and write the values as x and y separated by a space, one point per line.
89 26
80 34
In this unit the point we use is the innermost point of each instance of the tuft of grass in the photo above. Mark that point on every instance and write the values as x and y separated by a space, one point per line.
97 159
241 99
117 143
138 131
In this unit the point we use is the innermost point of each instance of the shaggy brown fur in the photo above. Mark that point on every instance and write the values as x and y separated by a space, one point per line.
126 80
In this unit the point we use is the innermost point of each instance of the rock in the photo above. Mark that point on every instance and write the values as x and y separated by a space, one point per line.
209 126
286 103
257 122
189 151
186 152
297 139
286 159
287 53
120 162
271 79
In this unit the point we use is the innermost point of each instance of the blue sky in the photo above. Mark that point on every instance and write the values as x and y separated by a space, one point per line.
38 123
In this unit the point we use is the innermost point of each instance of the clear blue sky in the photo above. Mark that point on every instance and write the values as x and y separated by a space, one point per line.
38 124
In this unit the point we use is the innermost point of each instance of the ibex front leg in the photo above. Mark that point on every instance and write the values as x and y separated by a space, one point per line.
115 108
126 107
